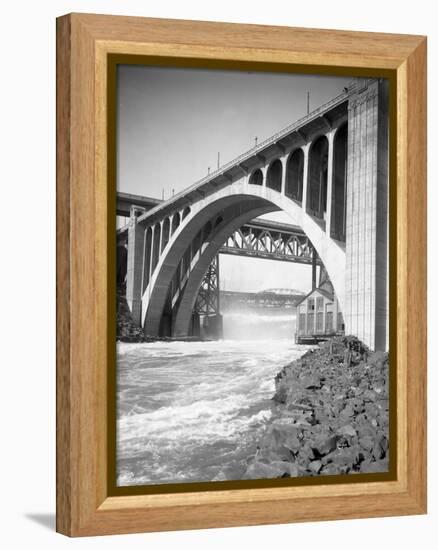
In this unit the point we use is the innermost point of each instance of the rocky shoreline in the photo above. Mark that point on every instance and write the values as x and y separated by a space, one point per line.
126 329
128 332
330 415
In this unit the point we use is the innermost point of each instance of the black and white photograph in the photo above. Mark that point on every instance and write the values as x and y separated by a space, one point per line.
252 275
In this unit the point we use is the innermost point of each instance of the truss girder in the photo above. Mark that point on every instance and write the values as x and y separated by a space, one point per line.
269 244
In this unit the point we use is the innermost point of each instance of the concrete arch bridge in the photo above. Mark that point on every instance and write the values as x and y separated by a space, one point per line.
327 172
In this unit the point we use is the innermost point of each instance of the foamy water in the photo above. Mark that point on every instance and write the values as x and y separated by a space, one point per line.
195 411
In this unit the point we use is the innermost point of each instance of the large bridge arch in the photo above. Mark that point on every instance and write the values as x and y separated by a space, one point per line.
245 201
188 297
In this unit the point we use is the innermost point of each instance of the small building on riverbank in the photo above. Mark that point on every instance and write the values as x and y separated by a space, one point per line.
318 316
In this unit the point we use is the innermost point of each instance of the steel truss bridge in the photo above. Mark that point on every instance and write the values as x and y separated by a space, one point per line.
271 240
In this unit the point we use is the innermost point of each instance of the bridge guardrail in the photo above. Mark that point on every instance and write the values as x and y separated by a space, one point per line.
257 148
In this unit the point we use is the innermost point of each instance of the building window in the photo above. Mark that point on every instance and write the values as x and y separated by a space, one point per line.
302 323
340 322
329 322
310 323
311 304
319 303
320 322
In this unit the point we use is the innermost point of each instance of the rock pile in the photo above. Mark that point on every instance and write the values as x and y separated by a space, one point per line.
331 415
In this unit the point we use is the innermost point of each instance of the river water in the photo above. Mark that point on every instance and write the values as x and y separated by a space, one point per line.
194 411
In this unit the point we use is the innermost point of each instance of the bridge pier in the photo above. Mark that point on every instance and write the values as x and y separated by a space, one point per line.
366 307
207 305
195 325
134 275
213 327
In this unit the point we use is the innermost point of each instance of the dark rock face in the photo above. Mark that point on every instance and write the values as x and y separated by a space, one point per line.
331 415
127 330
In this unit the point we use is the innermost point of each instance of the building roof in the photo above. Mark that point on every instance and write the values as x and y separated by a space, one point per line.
324 293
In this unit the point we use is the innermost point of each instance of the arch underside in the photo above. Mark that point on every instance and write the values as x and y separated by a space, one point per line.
169 297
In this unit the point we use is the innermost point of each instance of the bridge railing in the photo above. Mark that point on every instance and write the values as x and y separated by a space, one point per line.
272 139
257 148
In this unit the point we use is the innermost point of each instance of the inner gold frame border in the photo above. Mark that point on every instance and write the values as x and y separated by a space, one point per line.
112 62
88 48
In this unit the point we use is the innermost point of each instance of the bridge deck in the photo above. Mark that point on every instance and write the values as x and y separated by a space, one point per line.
258 223
234 169
126 200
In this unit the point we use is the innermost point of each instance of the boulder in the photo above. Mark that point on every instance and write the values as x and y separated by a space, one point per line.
347 430
324 444
315 466
366 442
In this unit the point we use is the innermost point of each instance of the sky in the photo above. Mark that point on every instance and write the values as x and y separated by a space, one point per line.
173 122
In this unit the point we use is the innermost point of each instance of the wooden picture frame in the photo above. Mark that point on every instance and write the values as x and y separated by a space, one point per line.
84 254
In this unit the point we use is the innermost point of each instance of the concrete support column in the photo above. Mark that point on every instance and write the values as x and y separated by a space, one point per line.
314 256
335 314
155 250
305 149
366 308
147 258
213 327
134 275
161 238
264 170
283 174
328 217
